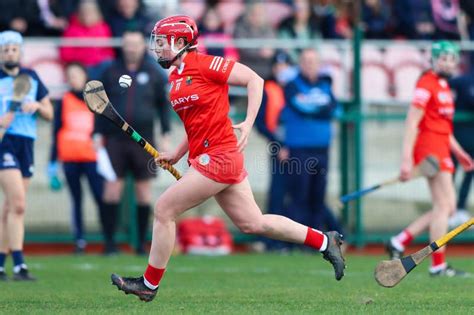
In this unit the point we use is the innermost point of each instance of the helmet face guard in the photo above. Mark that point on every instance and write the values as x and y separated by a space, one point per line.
165 35
166 53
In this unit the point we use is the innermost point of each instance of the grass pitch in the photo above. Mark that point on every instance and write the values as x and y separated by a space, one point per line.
240 284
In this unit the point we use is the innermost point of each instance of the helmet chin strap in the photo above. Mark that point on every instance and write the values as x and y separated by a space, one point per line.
167 63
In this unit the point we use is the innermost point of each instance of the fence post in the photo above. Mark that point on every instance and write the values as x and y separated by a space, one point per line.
358 144
129 204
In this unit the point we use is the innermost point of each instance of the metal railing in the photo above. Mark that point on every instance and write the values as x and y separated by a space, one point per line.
355 163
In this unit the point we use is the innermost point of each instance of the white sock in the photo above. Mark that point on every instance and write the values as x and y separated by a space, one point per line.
438 267
2 269
325 244
148 284
397 244
17 268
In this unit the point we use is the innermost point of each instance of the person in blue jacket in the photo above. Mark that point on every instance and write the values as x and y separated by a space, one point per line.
268 125
463 88
310 107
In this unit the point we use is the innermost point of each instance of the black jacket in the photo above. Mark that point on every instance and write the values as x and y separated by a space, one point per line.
140 103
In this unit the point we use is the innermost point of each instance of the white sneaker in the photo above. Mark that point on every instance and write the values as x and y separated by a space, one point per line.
461 216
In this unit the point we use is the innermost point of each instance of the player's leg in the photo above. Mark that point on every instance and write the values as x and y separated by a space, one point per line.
462 215
3 240
143 194
276 196
322 215
119 158
109 213
299 182
144 169
72 172
444 205
396 245
239 204
14 187
191 190
96 185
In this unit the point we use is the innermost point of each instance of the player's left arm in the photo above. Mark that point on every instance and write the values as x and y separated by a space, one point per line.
244 76
42 103
463 157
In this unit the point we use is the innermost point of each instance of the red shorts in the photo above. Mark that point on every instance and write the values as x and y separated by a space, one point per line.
225 167
431 143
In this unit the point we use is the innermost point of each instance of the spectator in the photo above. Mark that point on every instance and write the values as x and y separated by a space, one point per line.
325 13
445 15
138 105
463 88
467 21
310 106
267 123
254 25
414 19
73 146
212 29
301 25
376 18
55 15
344 19
129 15
22 16
87 23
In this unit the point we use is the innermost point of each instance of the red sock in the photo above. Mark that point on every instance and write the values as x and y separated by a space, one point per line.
404 238
437 259
153 275
315 239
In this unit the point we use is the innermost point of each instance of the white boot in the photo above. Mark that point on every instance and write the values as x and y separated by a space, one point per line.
461 216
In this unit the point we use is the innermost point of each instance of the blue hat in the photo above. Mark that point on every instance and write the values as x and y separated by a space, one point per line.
281 56
10 37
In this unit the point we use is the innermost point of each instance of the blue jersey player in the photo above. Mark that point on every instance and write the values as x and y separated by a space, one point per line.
16 150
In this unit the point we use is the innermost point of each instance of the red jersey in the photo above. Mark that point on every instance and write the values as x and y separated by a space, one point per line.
433 95
199 95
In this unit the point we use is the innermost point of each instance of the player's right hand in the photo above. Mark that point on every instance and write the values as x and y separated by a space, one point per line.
30 107
465 160
98 141
283 154
169 157
406 170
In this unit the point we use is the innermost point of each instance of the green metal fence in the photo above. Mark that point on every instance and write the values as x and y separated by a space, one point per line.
362 130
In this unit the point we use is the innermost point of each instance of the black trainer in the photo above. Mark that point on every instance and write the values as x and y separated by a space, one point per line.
134 286
392 251
78 250
111 249
23 275
3 276
450 272
333 253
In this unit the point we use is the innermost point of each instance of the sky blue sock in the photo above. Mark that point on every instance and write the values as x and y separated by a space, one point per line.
17 258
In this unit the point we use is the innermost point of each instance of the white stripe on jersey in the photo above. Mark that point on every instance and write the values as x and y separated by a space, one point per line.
219 64
216 63
421 96
213 62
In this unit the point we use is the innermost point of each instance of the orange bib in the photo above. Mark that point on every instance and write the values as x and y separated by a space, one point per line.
75 136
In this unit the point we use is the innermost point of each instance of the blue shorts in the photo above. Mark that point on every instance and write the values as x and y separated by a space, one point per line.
17 152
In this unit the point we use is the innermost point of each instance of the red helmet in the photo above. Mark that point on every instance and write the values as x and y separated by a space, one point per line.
172 28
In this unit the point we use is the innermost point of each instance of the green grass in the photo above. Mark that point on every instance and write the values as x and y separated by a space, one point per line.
241 284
